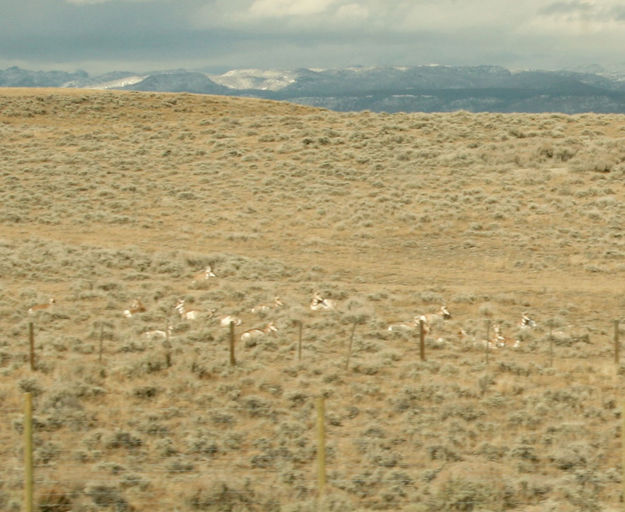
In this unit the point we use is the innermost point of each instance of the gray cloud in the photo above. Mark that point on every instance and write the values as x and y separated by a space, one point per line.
100 35
558 8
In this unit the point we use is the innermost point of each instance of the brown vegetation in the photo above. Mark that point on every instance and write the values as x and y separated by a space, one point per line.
111 197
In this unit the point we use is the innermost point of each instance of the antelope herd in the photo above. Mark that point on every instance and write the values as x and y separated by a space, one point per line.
430 322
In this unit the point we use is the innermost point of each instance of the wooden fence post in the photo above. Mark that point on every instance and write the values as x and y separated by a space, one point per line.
487 340
321 447
101 342
31 342
28 452
623 449
421 339
349 348
233 360
299 340
617 345
551 344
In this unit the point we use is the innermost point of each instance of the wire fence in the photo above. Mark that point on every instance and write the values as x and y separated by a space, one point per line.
118 474
98 459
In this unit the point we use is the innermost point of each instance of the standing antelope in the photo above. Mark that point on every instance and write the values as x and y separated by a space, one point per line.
136 307
40 307
264 308
251 334
205 274
320 303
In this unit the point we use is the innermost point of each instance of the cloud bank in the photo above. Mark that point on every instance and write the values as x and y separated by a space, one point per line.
157 34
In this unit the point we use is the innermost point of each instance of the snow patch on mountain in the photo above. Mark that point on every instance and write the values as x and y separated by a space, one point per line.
264 80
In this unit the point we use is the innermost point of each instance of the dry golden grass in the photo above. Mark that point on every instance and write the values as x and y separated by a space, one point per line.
107 197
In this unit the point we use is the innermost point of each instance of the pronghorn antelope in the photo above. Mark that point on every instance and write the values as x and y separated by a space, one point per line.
136 307
264 308
501 341
470 339
158 334
319 303
204 275
189 314
526 322
442 314
225 321
251 334
40 307
497 340
409 326
462 335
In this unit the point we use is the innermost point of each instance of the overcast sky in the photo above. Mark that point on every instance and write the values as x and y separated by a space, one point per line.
144 35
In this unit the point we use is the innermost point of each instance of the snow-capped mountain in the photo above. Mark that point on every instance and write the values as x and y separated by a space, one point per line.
430 88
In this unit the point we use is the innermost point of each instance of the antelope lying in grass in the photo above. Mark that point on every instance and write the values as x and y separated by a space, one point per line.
498 340
441 314
526 322
252 334
191 314
158 334
264 308
204 275
428 320
136 307
41 307
320 303
225 321
501 341
409 326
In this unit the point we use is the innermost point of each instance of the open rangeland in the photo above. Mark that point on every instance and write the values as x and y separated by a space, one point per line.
114 200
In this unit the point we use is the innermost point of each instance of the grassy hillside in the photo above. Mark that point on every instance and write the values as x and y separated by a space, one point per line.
110 197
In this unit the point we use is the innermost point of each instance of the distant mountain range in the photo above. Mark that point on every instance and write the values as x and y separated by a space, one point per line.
378 89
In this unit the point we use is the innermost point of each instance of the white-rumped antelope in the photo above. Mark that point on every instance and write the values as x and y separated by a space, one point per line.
251 334
319 303
42 307
265 308
136 307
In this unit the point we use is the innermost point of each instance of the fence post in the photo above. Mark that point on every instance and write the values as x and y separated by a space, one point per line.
623 449
233 360
321 447
299 341
101 342
617 345
487 340
28 452
551 344
421 339
349 348
31 343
